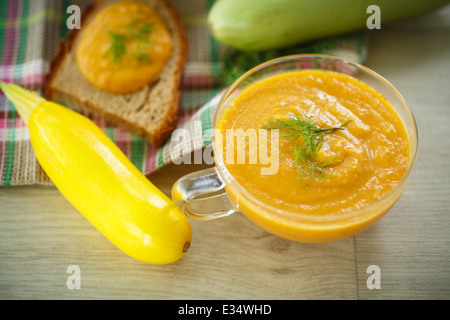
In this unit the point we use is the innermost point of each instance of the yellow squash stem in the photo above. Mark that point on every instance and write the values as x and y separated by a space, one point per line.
99 180
24 101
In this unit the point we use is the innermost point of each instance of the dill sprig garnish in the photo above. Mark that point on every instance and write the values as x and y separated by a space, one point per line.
301 127
117 48
132 31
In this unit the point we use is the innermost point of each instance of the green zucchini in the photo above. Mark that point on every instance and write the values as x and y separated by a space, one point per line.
270 24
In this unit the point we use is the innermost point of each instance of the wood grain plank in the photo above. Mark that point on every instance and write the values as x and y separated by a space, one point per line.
411 244
41 234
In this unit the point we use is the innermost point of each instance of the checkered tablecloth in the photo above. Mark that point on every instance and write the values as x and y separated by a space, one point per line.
29 34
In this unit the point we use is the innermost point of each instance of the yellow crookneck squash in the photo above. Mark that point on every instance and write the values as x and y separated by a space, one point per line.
97 178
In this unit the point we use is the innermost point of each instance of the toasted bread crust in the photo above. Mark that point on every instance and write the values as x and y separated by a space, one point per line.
158 135
165 130
63 48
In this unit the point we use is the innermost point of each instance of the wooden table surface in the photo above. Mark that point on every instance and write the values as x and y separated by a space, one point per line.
41 234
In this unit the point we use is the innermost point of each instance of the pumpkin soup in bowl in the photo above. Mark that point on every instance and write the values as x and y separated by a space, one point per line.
340 139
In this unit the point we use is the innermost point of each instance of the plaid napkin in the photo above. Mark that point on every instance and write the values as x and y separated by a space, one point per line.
29 34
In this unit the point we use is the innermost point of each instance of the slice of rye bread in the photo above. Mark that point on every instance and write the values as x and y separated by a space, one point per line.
152 111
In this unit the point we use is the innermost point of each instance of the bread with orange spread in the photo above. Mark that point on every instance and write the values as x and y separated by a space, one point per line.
105 70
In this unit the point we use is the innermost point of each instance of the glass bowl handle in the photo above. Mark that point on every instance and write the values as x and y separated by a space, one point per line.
201 195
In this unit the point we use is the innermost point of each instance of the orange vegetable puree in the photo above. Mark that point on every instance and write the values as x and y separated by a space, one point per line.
370 155
124 48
